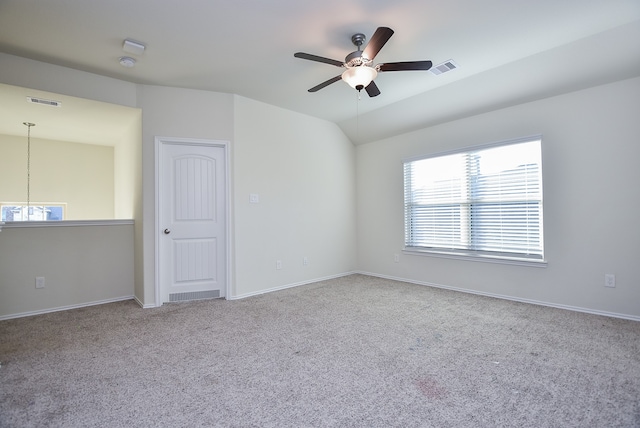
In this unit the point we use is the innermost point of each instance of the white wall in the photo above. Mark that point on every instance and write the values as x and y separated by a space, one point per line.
303 170
181 113
81 265
591 201
128 171
316 151
281 155
127 160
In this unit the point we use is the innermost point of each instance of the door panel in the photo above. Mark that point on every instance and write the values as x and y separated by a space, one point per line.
192 217
193 260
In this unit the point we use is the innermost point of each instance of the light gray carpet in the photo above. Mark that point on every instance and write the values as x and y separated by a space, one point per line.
351 352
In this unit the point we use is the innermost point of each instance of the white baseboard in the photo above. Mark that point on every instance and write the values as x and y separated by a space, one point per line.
505 297
283 287
311 281
144 306
65 308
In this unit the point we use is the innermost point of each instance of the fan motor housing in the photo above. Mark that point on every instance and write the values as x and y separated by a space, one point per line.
355 59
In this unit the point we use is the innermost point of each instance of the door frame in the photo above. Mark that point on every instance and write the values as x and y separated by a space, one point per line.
159 142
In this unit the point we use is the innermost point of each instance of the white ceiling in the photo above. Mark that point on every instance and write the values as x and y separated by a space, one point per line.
509 51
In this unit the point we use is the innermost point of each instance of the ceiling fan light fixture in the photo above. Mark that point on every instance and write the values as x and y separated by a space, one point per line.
359 77
359 73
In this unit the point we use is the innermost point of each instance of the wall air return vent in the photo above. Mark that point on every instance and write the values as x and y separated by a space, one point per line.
193 295
42 101
444 67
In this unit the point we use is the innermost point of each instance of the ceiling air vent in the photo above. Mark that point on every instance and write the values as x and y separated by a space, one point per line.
444 67
42 101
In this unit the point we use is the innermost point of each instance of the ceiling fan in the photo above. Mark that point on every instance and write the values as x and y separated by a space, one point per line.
360 73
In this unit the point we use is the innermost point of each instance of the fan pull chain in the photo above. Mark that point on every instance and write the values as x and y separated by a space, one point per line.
358 113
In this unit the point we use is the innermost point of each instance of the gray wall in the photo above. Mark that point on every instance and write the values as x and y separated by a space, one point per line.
591 201
303 169
172 112
81 264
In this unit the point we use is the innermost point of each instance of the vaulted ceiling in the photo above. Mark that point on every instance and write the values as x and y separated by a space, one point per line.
508 51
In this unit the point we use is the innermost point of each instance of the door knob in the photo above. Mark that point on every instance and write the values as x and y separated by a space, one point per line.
167 231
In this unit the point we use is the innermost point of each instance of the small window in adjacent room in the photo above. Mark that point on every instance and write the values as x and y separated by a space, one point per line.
32 212
484 203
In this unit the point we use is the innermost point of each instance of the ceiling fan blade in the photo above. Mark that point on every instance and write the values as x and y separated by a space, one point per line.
327 83
317 58
405 66
372 89
377 41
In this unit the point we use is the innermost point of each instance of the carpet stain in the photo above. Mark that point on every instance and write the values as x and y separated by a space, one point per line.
418 345
422 344
430 388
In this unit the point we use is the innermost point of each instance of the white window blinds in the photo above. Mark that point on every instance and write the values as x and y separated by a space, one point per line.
486 201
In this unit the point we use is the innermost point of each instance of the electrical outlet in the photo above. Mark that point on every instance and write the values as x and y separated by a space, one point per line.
278 264
305 261
39 281
609 280
254 198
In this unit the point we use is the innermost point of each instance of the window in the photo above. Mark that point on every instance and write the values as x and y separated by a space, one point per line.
486 202
32 212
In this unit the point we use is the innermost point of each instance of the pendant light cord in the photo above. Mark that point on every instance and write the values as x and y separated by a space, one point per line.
29 125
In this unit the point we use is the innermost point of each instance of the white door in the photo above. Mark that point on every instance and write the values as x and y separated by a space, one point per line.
192 220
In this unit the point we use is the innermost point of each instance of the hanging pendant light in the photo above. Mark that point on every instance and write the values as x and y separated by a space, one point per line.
28 125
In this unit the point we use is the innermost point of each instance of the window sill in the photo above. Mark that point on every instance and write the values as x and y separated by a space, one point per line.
62 223
477 258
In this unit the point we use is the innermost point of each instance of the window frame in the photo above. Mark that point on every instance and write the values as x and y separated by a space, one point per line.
471 254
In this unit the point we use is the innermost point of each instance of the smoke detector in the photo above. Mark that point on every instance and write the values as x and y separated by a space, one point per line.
127 61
